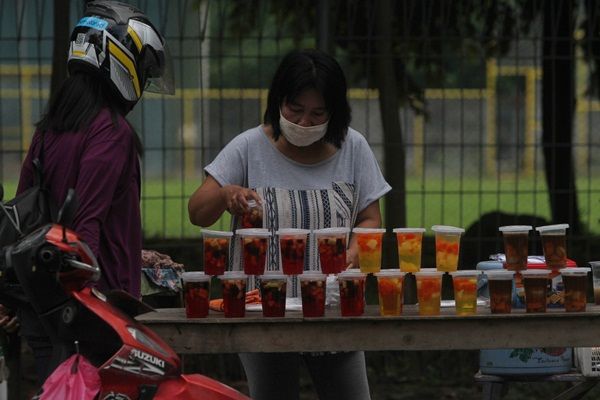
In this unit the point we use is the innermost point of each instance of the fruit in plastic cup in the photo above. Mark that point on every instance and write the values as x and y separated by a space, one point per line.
253 218
313 289
216 251
516 246
234 293
272 294
369 248
410 244
292 245
429 288
596 280
196 290
465 291
352 293
447 247
332 249
535 282
389 285
500 283
254 249
575 281
554 244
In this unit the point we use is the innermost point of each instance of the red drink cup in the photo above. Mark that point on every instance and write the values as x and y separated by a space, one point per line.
253 218
516 246
500 283
390 284
254 249
429 291
575 281
234 293
352 293
216 251
536 283
292 245
313 288
272 294
332 249
196 289
554 244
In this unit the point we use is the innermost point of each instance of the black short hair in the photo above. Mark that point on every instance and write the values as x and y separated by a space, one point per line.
311 69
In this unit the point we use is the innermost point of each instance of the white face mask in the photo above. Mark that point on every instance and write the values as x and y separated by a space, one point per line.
301 136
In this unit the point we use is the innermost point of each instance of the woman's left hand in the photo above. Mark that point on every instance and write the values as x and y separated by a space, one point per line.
352 258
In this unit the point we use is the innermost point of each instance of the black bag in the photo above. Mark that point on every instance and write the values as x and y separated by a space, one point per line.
29 210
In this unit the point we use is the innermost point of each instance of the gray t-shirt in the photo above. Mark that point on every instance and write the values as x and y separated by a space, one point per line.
251 160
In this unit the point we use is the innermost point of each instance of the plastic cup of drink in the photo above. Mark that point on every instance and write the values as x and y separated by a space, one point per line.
313 289
465 291
447 247
536 282
292 245
352 293
234 293
253 218
516 246
500 284
216 251
254 249
389 284
196 290
369 248
272 294
596 280
554 244
332 249
410 244
575 281
429 288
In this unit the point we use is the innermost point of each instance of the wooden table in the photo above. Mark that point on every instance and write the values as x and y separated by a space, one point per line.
217 334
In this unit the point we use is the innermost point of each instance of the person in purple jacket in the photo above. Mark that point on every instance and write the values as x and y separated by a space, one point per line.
114 55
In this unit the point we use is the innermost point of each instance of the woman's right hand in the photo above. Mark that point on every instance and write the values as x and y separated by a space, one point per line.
237 197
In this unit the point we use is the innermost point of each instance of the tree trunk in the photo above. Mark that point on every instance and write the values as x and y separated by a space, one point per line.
558 90
60 47
394 157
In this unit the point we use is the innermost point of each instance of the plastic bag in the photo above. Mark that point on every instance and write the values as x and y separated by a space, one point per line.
75 379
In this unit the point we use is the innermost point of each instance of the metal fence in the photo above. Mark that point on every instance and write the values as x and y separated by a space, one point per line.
470 88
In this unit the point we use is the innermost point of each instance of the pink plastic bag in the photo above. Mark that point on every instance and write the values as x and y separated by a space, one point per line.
75 379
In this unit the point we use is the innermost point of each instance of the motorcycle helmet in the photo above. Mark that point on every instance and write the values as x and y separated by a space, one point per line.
120 43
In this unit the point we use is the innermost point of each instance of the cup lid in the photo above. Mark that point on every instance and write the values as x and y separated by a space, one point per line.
515 228
408 230
351 274
466 272
208 232
447 229
428 272
575 271
332 231
260 232
535 272
499 274
253 203
233 275
276 276
550 228
293 232
390 273
594 263
368 230
194 276
312 276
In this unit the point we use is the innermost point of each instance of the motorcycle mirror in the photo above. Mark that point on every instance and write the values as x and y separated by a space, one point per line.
67 211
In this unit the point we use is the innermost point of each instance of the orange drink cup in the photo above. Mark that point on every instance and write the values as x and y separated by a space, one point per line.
465 291
332 249
429 288
554 244
216 251
272 294
352 293
389 285
447 247
410 244
234 293
500 283
596 280
536 283
575 281
313 289
292 246
254 249
196 290
369 248
516 246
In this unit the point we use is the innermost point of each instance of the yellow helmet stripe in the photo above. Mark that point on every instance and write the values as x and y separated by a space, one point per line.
128 63
135 37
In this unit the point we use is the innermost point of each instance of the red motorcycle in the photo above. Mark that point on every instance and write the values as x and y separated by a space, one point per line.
51 270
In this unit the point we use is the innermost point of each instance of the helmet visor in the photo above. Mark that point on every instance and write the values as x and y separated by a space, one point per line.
160 78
